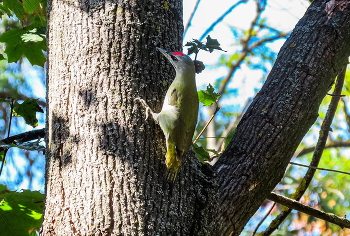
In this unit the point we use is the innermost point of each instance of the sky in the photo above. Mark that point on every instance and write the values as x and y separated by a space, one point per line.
282 15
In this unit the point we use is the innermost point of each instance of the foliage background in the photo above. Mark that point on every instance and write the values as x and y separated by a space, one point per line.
22 75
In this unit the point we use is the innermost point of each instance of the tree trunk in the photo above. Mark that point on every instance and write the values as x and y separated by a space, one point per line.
105 163
281 114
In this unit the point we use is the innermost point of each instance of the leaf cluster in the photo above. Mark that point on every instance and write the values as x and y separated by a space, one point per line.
21 212
27 110
195 45
30 39
208 97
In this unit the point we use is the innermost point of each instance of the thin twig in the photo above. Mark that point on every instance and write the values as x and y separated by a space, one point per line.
233 123
214 137
292 204
335 144
8 135
321 143
346 113
191 17
246 49
318 168
263 219
211 118
11 111
211 27
337 95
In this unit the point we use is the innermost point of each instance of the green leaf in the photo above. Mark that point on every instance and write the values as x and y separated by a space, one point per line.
201 153
2 153
33 36
14 53
25 41
2 57
21 212
6 10
13 36
228 60
31 5
194 46
39 21
212 44
16 7
28 111
214 151
208 97
34 55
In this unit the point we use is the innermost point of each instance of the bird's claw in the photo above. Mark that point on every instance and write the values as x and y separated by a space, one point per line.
144 104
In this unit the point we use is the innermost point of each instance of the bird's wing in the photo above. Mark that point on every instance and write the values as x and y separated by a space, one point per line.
173 97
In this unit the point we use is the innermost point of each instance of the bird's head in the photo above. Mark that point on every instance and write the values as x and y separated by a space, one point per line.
179 60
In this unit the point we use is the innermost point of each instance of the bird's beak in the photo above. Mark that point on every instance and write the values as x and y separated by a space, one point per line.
164 52
167 55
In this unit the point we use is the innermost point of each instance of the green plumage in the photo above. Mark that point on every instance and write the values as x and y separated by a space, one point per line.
178 117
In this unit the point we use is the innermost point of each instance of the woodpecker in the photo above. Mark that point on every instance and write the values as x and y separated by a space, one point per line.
178 117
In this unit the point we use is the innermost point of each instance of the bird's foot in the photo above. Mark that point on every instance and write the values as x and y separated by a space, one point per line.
145 105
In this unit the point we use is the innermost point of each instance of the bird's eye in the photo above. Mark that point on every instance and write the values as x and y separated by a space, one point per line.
174 58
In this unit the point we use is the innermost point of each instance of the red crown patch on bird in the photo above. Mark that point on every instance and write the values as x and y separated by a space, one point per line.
178 54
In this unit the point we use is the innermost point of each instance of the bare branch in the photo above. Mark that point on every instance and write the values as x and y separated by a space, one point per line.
221 18
321 143
318 168
21 97
233 123
346 113
246 50
211 118
292 204
25 137
335 144
263 219
191 17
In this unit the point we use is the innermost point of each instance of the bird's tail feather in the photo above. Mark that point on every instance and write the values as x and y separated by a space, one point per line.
173 161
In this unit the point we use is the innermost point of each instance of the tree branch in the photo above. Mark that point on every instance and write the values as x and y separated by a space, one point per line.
346 113
335 144
263 219
211 27
211 118
279 116
292 204
191 17
318 168
24 137
21 97
246 49
321 143
233 123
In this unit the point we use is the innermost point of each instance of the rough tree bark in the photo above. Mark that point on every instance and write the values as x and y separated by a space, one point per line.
105 163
